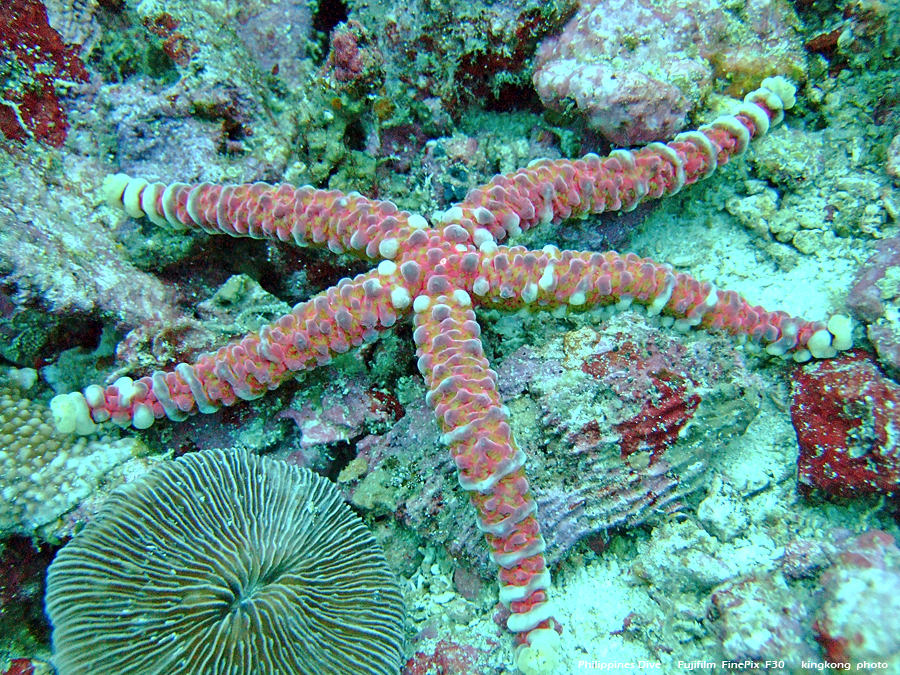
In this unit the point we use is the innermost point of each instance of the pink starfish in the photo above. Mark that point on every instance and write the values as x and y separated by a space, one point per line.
440 271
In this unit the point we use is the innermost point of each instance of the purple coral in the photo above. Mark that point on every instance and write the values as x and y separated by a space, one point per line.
875 291
346 409
866 299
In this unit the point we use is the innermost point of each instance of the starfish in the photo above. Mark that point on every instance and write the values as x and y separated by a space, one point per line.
440 271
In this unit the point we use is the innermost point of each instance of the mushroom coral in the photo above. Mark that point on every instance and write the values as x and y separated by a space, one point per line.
225 564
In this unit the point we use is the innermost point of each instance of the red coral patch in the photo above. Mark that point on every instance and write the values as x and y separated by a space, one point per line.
20 667
176 46
667 405
847 418
448 657
37 59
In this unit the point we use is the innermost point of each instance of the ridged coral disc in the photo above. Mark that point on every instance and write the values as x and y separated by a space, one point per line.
225 564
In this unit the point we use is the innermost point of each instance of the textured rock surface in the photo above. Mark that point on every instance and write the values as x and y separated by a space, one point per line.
210 90
763 620
846 414
635 70
449 53
859 619
875 300
30 107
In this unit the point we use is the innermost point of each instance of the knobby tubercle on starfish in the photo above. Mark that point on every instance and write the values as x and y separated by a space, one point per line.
439 271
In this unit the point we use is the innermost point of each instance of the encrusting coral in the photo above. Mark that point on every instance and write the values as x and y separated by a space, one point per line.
45 472
439 271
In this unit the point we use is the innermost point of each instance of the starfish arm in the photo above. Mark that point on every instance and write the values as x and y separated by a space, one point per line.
346 315
554 190
546 190
370 229
462 390
516 278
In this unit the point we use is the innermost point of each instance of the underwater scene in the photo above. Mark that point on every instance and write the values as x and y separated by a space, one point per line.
441 337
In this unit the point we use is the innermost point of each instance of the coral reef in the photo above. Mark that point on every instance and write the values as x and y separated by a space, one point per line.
48 257
616 411
447 657
872 290
445 57
28 667
663 462
23 569
875 300
761 618
345 409
577 420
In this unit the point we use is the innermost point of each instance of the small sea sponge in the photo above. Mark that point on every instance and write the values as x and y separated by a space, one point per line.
225 564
